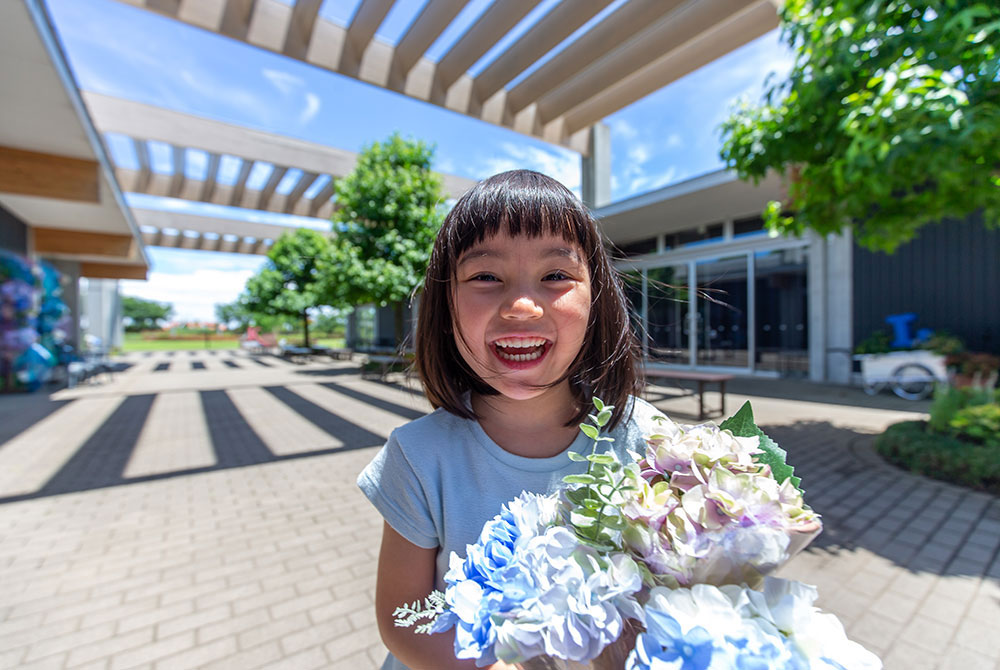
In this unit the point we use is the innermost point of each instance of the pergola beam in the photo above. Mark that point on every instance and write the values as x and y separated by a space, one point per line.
142 157
208 187
493 24
301 186
428 26
367 19
48 175
300 28
94 270
666 35
241 183
541 38
322 197
236 18
177 180
756 19
54 241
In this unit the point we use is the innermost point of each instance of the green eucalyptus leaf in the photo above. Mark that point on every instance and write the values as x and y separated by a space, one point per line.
580 479
589 431
574 456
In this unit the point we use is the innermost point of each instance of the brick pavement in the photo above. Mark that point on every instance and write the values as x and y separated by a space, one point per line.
206 517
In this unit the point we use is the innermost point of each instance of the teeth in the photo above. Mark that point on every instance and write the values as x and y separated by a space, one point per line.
520 342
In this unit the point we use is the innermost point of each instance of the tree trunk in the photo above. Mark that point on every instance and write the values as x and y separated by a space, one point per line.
305 327
397 318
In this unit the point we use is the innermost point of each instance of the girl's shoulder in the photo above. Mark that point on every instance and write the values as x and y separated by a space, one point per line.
430 429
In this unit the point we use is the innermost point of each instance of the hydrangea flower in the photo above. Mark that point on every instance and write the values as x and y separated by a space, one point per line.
720 628
528 588
704 511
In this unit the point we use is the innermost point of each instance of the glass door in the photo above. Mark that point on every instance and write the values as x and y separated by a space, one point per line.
667 328
721 312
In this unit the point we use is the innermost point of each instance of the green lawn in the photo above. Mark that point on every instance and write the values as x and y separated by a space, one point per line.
136 342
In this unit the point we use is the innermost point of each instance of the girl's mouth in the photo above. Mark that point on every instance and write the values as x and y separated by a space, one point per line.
514 350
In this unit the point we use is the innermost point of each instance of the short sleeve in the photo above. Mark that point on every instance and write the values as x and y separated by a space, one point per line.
394 487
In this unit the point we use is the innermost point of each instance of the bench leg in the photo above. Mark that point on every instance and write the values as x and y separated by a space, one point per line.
701 400
722 401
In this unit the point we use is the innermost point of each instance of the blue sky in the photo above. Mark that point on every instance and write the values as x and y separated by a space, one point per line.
123 51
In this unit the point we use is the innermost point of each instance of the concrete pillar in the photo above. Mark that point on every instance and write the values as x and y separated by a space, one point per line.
831 291
595 169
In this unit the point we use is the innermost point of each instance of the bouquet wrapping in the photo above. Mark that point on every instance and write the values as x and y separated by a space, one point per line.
658 562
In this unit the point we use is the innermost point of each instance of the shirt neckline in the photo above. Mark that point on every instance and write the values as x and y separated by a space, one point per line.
546 464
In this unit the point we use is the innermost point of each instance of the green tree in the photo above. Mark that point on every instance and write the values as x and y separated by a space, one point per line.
388 210
290 284
890 118
142 314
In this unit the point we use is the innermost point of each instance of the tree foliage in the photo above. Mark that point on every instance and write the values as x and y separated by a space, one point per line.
890 118
144 314
389 209
292 283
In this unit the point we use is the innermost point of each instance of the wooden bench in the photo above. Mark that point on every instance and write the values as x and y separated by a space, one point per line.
703 378
382 365
296 354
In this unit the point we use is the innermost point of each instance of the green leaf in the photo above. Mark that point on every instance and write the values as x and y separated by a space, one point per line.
602 459
580 479
589 431
598 403
574 456
742 424
603 418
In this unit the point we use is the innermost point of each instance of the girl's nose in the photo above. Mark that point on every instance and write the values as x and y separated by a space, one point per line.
521 307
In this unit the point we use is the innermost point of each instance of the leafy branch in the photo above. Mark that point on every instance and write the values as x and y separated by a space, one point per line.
742 424
596 517
431 608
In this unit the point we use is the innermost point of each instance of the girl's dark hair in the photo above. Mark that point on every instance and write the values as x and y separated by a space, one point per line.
522 202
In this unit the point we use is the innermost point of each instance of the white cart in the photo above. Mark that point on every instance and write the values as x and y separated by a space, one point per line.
910 374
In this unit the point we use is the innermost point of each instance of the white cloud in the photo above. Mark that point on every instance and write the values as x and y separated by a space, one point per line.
638 153
193 295
674 141
283 81
311 109
623 129
561 165
651 182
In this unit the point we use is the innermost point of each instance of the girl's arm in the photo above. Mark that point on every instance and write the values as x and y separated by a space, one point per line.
405 574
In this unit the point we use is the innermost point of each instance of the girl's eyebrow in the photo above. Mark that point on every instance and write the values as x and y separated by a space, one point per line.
550 252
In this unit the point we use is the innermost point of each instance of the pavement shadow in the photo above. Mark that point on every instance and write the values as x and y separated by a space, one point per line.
920 524
102 458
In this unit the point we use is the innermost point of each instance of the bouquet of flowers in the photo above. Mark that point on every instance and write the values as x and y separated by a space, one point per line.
651 563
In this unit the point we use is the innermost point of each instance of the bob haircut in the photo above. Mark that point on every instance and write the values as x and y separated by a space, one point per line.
522 202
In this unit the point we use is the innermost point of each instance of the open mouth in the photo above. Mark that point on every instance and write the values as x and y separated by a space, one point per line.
520 349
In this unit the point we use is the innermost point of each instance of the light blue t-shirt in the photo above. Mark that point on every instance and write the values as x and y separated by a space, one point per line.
440 478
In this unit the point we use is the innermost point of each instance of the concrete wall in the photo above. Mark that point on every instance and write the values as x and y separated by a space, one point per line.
830 307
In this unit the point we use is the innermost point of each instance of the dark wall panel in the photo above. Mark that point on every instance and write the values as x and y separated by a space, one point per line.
13 233
949 276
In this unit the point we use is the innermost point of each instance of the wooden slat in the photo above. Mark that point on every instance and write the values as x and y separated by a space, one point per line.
613 31
367 19
493 24
208 187
142 156
64 241
236 18
300 28
541 38
305 181
241 183
433 19
48 176
277 174
112 271
322 197
177 180
168 7
669 33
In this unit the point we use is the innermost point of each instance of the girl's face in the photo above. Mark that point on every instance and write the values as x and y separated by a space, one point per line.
521 311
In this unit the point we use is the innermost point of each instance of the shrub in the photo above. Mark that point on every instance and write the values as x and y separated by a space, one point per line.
980 423
949 400
945 457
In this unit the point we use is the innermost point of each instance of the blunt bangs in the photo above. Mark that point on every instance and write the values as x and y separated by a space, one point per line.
517 203
525 203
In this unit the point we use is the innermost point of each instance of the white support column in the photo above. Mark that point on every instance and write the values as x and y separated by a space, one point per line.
839 306
595 169
816 290
831 307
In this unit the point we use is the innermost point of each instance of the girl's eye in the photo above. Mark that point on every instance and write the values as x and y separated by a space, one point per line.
484 276
558 275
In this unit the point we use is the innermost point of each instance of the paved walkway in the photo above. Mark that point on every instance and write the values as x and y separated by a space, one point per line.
199 511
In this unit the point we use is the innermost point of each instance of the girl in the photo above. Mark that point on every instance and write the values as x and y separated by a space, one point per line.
522 321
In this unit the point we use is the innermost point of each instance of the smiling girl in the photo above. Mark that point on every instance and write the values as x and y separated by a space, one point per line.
522 321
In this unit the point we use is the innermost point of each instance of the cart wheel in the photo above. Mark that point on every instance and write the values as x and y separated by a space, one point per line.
912 381
872 388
